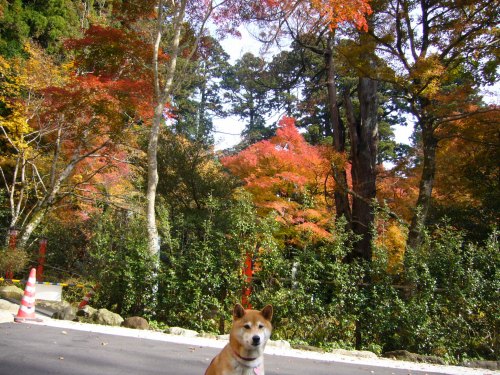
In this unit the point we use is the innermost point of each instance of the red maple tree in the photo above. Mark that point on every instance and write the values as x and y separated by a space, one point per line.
287 176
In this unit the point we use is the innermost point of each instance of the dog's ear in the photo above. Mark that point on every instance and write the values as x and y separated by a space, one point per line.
238 311
267 312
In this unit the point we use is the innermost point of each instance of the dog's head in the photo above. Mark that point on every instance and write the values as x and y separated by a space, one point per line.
252 328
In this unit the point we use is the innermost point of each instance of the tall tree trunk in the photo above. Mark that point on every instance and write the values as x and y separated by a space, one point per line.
429 144
341 198
153 237
363 133
161 95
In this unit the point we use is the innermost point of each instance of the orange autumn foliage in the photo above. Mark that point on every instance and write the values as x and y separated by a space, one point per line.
398 188
287 176
85 120
467 159
328 12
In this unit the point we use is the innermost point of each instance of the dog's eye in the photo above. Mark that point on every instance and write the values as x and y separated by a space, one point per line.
247 326
261 326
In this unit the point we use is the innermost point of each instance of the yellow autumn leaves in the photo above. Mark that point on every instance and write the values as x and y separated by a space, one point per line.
21 82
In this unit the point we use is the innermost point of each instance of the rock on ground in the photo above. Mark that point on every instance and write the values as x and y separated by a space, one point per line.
281 344
405 355
11 291
65 313
490 365
106 317
182 332
355 353
86 312
6 317
135 322
7 311
53 305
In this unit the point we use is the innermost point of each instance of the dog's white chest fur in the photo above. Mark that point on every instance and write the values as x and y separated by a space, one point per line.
255 367
243 370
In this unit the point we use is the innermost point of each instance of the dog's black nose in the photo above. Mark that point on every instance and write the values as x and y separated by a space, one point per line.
255 340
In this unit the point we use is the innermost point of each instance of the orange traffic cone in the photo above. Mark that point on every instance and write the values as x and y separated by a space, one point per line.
26 311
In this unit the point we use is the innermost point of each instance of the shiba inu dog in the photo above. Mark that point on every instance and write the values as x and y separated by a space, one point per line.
244 355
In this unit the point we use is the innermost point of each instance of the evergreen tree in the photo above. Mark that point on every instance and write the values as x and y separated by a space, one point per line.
249 96
45 22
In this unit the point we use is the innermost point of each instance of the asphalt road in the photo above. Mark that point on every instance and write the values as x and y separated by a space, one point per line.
28 349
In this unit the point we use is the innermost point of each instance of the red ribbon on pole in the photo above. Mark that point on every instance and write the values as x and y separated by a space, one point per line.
13 232
41 258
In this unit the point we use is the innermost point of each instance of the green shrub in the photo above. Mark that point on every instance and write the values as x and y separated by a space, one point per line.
446 301
202 261
14 260
122 265
314 291
67 258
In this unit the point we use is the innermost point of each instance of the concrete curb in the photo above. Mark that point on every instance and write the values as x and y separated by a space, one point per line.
6 316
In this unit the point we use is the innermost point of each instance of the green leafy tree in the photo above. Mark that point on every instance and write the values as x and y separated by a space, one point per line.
453 308
285 75
192 176
46 22
177 22
201 259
